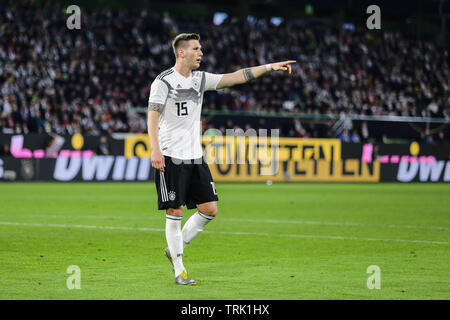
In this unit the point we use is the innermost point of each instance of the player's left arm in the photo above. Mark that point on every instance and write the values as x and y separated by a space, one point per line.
248 74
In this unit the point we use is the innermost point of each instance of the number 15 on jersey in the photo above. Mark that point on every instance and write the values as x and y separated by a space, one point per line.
181 108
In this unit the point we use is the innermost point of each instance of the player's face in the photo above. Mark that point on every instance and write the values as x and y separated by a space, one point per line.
194 54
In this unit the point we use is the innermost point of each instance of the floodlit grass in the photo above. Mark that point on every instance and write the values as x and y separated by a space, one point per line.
284 241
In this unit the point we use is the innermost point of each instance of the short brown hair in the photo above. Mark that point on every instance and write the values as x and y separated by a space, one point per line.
181 38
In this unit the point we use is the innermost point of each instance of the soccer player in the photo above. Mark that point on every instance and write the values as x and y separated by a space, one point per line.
183 177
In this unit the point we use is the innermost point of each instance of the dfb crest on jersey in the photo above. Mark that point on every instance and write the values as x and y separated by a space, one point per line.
172 195
196 84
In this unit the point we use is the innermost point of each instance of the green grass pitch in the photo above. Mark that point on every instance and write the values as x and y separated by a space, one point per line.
284 241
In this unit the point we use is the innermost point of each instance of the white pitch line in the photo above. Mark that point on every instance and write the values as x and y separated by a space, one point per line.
7 223
57 225
330 223
344 224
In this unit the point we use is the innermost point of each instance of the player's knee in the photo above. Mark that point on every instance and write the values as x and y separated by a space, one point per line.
175 211
214 212
210 210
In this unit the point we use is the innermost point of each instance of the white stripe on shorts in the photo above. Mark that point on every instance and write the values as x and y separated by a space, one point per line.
163 188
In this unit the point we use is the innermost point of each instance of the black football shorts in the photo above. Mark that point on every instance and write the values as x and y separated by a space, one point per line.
184 182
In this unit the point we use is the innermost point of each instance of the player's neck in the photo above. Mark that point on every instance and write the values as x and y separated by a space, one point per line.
182 69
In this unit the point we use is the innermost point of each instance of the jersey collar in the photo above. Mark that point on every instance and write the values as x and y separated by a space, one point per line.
190 76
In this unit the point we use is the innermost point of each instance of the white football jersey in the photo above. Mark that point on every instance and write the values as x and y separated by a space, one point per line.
179 121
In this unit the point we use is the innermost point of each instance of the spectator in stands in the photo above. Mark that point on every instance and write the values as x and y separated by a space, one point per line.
429 139
103 147
87 81
354 137
5 150
364 131
440 138
343 136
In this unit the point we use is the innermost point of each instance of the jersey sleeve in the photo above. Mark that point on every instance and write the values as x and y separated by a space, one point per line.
158 92
212 80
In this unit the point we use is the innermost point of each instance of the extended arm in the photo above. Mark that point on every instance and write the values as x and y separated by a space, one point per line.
248 74
157 158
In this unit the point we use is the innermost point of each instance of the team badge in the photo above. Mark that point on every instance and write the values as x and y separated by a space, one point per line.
172 195
196 84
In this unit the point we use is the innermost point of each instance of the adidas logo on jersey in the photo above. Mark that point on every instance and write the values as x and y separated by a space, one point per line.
178 86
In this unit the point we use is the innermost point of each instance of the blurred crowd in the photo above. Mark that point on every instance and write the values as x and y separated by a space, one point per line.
65 81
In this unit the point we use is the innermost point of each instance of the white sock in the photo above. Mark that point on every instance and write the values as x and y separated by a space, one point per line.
175 242
194 226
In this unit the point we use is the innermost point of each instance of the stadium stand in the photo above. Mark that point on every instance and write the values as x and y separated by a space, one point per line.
65 81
